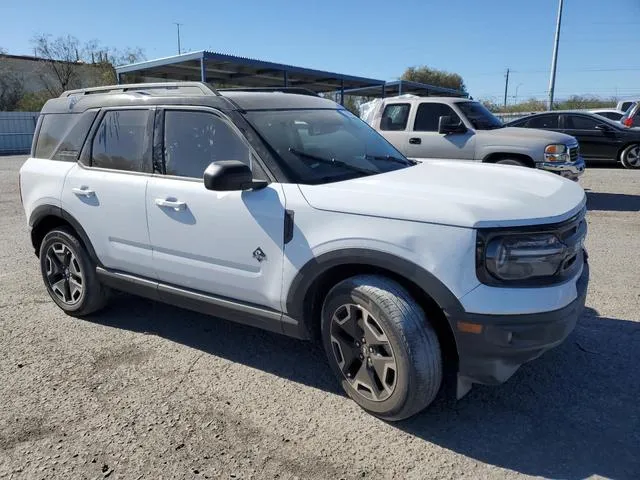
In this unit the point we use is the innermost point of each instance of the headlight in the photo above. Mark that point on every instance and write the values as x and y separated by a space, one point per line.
524 257
556 152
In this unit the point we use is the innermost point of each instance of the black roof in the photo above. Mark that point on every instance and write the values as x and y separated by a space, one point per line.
276 100
181 93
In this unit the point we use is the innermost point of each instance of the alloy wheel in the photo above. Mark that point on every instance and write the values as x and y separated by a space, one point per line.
64 274
633 156
363 352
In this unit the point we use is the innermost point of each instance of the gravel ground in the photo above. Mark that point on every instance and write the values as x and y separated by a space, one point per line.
144 390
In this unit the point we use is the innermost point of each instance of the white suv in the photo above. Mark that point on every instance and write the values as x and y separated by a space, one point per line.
286 212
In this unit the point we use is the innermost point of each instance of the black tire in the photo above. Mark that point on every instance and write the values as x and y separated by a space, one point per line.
630 156
63 259
412 340
511 161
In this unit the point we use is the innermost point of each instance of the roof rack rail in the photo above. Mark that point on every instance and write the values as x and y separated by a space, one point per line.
170 88
298 90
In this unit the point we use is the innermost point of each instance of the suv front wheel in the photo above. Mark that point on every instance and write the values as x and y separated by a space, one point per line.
70 275
381 346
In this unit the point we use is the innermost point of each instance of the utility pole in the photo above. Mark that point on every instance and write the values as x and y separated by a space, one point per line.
178 25
554 60
506 87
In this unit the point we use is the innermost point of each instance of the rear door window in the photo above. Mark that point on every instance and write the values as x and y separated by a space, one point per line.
543 121
123 141
395 116
194 139
428 116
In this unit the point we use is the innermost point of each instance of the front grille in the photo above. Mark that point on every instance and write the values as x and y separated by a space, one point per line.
574 152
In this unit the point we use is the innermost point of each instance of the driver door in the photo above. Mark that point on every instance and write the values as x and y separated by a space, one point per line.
228 244
425 142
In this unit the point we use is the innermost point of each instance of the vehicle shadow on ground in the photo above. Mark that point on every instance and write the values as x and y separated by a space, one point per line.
613 202
570 414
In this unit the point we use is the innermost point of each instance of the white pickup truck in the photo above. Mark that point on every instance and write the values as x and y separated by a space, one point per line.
462 129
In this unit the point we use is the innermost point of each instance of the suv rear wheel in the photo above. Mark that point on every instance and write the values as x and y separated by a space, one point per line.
70 275
381 346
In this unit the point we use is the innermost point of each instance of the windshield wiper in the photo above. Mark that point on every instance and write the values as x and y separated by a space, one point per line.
391 158
333 161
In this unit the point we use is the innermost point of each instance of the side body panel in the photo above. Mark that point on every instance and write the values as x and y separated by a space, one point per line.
41 183
113 216
223 243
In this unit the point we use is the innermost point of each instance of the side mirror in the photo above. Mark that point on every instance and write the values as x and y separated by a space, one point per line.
603 127
227 175
447 125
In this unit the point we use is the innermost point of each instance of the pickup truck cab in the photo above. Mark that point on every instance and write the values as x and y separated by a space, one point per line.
462 129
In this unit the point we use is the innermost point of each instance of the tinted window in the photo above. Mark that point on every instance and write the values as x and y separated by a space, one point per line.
62 135
395 117
479 116
611 115
579 123
192 140
428 116
626 105
122 141
543 121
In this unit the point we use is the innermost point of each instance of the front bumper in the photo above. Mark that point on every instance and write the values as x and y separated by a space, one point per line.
571 170
508 341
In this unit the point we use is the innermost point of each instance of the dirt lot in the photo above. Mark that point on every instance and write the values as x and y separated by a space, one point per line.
143 390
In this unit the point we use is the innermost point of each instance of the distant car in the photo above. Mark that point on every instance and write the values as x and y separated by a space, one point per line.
624 105
632 116
599 138
609 113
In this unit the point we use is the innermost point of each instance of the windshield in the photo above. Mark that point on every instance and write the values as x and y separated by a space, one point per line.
321 146
479 116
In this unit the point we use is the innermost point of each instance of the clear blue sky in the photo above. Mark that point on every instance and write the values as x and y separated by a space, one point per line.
599 49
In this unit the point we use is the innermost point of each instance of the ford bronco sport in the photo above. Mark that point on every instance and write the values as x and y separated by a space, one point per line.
286 212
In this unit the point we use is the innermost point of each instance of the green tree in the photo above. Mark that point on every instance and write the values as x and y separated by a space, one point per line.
431 76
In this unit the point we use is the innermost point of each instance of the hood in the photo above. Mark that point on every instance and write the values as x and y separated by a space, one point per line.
454 192
524 136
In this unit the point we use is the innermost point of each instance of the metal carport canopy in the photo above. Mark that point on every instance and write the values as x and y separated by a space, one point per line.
400 87
223 69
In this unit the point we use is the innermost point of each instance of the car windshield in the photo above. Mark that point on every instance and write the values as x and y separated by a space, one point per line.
322 146
479 116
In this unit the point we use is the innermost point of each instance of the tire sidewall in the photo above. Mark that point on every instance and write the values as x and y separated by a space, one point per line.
623 157
510 162
62 236
347 292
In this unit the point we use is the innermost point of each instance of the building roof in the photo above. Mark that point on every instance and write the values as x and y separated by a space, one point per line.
220 68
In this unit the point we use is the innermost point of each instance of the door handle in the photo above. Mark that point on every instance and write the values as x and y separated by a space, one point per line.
415 141
175 204
83 192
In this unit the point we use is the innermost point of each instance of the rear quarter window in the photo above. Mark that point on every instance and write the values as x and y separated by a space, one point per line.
61 135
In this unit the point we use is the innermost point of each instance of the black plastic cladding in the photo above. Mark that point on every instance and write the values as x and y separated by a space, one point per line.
568 232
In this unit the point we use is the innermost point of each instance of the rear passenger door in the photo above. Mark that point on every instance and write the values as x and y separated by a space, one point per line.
229 244
425 142
105 191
